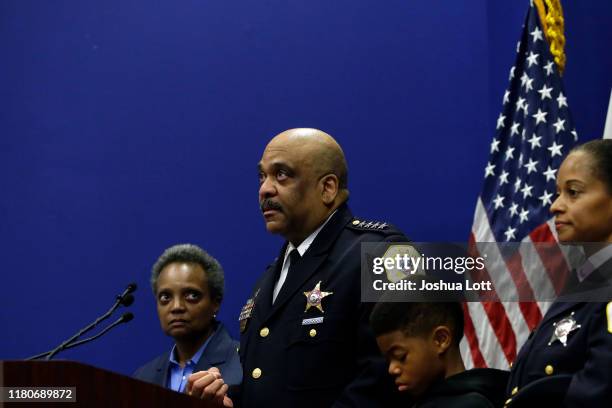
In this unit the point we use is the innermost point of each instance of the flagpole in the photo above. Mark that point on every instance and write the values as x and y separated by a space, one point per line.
608 126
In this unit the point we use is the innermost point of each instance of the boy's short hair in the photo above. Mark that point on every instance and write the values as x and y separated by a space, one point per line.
417 318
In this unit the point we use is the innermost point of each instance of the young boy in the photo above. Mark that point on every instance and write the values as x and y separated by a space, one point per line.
421 342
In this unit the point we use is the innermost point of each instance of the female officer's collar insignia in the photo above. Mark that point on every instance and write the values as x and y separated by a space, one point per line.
563 328
315 296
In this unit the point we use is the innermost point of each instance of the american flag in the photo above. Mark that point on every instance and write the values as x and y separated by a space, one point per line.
533 134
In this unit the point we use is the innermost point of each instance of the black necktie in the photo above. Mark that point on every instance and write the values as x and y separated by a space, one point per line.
294 257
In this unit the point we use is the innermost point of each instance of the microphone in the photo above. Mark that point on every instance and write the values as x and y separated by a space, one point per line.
125 298
129 289
126 317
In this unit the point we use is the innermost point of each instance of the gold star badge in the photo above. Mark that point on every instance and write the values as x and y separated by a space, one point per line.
314 297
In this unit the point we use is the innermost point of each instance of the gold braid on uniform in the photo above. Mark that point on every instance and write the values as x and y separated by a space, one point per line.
551 17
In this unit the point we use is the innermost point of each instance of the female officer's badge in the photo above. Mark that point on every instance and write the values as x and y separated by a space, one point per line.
563 328
315 296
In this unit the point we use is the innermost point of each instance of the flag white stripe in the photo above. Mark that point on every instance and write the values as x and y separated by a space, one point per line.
466 354
534 271
487 340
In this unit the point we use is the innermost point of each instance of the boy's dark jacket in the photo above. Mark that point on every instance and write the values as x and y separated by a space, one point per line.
480 387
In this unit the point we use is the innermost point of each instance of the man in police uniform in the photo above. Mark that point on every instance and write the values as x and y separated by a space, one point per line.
305 336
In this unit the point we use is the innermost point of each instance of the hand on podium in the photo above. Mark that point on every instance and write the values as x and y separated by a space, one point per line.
208 385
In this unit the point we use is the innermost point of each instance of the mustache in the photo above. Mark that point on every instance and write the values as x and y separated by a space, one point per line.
269 204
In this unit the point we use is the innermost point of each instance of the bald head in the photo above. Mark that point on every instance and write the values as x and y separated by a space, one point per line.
302 180
323 154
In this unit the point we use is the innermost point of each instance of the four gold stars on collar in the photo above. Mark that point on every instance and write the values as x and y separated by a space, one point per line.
315 296
369 225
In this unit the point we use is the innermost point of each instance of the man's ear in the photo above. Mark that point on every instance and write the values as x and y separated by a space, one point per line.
329 188
442 338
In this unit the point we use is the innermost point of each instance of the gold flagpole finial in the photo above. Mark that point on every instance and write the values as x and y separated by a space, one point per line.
551 17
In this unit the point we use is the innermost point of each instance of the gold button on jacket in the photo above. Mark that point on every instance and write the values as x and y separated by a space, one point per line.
256 373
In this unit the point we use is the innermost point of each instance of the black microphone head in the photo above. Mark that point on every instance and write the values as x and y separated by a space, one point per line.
131 287
126 317
127 299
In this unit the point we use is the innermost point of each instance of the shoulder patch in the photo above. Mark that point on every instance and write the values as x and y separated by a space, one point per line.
365 225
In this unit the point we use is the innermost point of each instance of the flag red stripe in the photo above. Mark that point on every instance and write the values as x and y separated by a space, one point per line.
532 314
496 315
552 258
529 310
502 328
470 335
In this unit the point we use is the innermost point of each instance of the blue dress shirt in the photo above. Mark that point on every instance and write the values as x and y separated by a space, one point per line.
177 375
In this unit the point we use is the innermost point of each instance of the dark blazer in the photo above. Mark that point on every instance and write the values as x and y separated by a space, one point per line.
576 375
290 361
221 352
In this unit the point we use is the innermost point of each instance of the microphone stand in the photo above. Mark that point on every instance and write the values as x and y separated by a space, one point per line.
125 298
126 317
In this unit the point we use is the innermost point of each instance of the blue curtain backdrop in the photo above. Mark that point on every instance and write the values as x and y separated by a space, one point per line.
127 126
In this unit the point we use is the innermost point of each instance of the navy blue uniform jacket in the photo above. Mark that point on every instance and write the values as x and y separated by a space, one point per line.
576 375
290 361
221 352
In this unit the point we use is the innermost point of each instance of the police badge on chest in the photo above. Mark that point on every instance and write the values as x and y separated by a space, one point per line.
563 328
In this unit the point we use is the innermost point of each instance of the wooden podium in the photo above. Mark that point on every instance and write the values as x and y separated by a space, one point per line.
95 387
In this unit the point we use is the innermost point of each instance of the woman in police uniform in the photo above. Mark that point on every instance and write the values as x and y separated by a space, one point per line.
567 361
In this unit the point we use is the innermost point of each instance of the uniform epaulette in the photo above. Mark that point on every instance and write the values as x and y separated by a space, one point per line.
364 225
